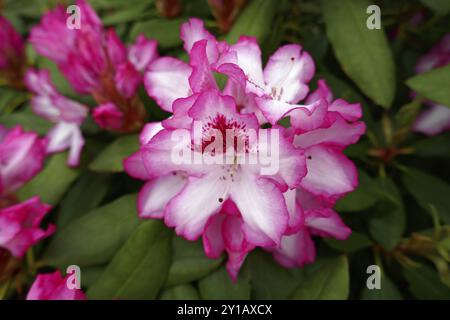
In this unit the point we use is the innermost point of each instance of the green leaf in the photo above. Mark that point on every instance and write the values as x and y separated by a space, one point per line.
429 190
269 280
139 268
52 182
189 262
330 282
166 32
440 6
388 290
28 120
219 286
94 238
182 292
433 85
363 54
131 13
10 98
387 220
360 199
111 158
356 241
89 275
255 20
85 195
432 146
424 283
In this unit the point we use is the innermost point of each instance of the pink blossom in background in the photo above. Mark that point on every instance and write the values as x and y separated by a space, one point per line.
95 61
52 286
22 156
437 118
68 115
108 116
12 54
20 226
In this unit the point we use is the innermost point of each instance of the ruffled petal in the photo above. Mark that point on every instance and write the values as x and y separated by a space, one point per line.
166 80
330 173
339 134
142 52
327 223
189 211
156 193
287 72
296 250
263 209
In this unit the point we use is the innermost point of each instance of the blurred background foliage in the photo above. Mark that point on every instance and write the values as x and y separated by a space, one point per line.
400 214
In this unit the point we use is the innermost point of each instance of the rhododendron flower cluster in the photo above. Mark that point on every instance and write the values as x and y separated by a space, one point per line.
437 118
96 62
233 205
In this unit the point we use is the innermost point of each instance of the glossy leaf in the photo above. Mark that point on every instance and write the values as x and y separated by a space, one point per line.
364 54
94 238
329 282
139 268
111 158
189 262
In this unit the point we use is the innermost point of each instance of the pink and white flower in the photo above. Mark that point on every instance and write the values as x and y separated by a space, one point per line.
20 226
22 155
67 114
259 198
437 118
52 286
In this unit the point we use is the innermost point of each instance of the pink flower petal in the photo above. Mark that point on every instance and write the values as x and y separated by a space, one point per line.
166 80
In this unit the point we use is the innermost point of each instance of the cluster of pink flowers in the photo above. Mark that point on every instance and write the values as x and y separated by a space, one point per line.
22 156
95 62
437 118
234 207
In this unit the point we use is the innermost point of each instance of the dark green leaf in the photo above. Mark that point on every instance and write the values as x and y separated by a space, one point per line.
52 182
424 283
90 274
255 20
182 292
433 85
329 282
355 242
429 190
166 32
189 262
85 195
432 146
440 6
269 280
111 158
28 120
364 54
360 199
218 286
387 221
388 291
94 238
139 268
